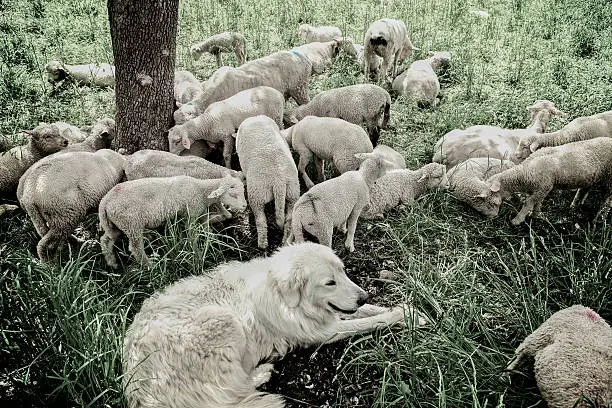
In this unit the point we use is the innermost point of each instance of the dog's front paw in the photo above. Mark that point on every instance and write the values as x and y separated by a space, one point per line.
261 374
404 313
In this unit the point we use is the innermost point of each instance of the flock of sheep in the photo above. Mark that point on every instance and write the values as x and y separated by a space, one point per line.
64 173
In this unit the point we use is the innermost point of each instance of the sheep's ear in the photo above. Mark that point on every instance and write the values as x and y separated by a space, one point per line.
423 177
483 194
239 175
534 146
178 104
218 192
495 186
186 142
29 132
235 135
558 112
362 156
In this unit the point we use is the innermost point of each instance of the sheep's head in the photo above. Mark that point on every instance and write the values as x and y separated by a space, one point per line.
304 29
434 174
184 113
526 146
56 71
47 138
230 193
178 139
439 60
347 44
542 111
195 52
369 161
488 200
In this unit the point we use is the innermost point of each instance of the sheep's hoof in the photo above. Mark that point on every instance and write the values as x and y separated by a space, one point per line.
350 247
262 244
516 221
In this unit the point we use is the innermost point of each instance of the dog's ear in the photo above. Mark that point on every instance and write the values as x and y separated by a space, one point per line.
290 285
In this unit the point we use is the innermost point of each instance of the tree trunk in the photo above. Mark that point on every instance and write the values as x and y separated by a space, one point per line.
143 34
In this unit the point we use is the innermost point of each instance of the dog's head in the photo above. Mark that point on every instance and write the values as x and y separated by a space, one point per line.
310 276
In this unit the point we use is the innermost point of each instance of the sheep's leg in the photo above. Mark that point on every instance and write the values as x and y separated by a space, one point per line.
374 133
305 157
602 214
325 236
300 95
107 242
39 222
239 56
382 74
49 244
219 59
260 223
319 163
351 225
136 246
533 201
228 148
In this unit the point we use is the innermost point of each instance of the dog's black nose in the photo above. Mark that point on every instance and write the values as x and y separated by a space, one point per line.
363 296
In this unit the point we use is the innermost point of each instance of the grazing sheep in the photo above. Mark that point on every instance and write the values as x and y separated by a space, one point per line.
574 165
491 141
44 140
466 182
386 38
356 51
87 74
361 103
392 156
284 71
186 86
327 139
223 42
134 205
421 80
321 54
318 34
100 137
220 120
270 173
399 187
572 353
58 191
70 132
337 203
582 128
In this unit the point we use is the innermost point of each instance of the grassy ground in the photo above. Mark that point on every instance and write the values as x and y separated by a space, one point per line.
485 283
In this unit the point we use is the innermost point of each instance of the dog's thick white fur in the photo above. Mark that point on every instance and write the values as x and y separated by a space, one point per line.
199 343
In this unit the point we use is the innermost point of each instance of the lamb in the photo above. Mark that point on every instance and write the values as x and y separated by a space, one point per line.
491 141
572 353
58 191
354 103
123 209
70 132
356 51
327 139
270 172
44 140
582 128
386 38
337 203
466 182
421 79
284 71
88 74
321 54
156 163
223 42
221 119
101 136
392 156
186 86
587 163
318 34
399 187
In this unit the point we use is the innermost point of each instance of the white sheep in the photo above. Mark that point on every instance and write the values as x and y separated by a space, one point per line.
466 182
58 191
70 132
582 128
134 205
44 140
220 120
357 51
157 163
327 139
321 54
583 164
223 42
186 86
337 203
284 71
318 34
572 352
101 135
358 104
420 81
491 141
270 173
399 187
86 74
392 156
386 38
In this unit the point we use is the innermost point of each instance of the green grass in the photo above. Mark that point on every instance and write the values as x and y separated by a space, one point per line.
484 283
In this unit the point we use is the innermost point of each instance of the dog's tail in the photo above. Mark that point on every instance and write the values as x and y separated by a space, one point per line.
261 400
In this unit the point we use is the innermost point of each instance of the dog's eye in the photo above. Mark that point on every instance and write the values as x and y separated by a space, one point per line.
330 283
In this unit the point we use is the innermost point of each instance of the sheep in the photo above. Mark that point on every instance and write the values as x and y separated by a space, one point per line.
88 74
270 173
392 156
58 191
327 139
100 137
582 128
572 352
284 71
399 187
354 103
386 38
491 141
123 209
421 79
321 54
223 42
466 182
45 139
587 163
220 120
186 86
337 203
156 163
70 132
356 51
318 34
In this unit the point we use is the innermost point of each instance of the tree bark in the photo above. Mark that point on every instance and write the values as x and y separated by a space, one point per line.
143 34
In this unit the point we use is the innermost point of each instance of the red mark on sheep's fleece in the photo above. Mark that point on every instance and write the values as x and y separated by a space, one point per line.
117 189
592 315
